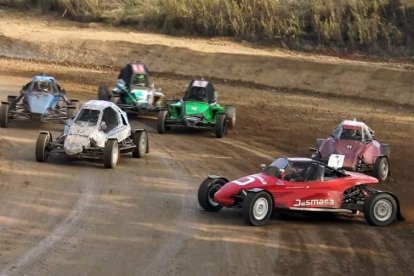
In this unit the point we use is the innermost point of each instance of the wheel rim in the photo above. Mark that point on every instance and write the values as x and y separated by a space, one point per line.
115 154
384 170
260 208
382 210
143 143
211 193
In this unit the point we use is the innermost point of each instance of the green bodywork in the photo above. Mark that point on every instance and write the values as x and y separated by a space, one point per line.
180 111
135 96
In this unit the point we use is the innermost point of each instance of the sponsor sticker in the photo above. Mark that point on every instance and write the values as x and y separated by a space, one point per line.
313 202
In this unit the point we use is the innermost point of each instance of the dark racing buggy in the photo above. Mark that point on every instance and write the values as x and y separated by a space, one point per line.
134 91
40 99
356 141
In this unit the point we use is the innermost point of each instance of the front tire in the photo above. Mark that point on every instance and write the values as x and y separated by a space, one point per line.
4 115
12 101
257 208
221 125
111 154
208 188
140 139
381 169
380 209
42 153
162 116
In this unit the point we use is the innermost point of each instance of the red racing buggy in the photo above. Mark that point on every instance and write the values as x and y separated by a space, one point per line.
300 184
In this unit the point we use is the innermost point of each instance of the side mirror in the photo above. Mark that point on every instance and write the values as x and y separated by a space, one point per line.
103 126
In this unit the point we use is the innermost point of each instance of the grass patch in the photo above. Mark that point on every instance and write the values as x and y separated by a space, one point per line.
372 26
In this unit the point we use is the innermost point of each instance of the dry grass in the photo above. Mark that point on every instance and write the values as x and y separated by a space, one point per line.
345 24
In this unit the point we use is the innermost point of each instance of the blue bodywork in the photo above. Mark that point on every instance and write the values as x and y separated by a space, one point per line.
41 98
41 103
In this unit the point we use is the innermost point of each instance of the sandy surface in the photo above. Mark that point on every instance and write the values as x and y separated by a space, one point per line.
71 218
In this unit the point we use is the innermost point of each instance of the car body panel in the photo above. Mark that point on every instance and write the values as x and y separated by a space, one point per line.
137 96
41 98
78 134
361 149
198 108
323 193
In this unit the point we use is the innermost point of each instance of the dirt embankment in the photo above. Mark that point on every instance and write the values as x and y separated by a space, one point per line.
60 41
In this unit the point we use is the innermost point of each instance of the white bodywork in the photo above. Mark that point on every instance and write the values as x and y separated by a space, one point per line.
79 134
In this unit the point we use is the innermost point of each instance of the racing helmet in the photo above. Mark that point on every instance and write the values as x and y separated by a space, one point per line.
139 79
44 86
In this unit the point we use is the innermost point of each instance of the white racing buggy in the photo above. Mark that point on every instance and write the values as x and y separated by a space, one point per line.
99 131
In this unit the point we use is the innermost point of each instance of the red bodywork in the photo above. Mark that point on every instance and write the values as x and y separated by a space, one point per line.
294 195
359 153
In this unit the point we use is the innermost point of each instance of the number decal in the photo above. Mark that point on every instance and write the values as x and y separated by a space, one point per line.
249 179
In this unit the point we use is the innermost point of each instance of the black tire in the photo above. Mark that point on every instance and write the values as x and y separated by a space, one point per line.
42 153
104 94
382 169
4 115
71 112
380 209
231 116
257 208
12 101
111 154
221 125
162 116
140 139
72 109
206 193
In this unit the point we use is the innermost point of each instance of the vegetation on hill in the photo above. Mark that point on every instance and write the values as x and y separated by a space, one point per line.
372 26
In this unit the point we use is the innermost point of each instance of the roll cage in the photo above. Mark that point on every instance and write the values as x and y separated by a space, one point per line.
200 90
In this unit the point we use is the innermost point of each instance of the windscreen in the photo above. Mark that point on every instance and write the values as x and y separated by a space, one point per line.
89 116
274 168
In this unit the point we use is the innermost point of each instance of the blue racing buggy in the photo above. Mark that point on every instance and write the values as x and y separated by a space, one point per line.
41 99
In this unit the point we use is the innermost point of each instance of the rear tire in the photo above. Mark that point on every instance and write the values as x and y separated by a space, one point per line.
72 109
162 116
380 209
381 169
257 208
221 125
104 94
140 139
4 115
206 193
111 154
231 116
12 102
42 153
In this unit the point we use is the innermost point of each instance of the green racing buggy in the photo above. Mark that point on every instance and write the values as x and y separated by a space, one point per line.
199 110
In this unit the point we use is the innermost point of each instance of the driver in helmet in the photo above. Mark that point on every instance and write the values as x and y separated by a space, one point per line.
297 173
140 80
351 134
44 86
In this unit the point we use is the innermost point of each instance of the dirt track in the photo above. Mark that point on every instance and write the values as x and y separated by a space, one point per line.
142 218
